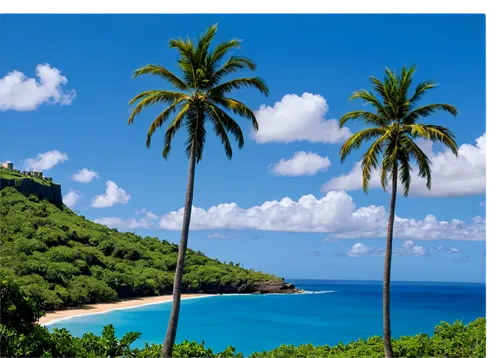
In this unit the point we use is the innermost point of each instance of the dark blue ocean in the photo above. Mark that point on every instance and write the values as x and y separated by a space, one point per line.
330 312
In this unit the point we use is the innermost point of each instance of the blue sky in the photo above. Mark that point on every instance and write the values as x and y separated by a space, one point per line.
311 64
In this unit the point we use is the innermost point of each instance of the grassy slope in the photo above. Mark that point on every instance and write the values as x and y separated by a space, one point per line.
63 259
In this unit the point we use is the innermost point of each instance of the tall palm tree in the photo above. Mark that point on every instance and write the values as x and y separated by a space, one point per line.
200 96
394 124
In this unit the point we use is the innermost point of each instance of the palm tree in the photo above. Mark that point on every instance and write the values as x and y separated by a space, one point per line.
394 125
200 96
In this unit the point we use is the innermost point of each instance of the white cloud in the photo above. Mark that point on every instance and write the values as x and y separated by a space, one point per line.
45 161
298 118
407 249
19 93
360 249
451 176
118 223
335 213
301 163
114 195
71 198
410 249
85 175
147 214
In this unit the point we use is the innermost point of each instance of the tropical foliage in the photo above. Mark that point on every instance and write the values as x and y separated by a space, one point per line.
393 126
201 97
22 337
61 259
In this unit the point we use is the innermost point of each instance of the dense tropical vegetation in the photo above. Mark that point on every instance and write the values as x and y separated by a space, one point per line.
394 125
20 336
61 259
201 97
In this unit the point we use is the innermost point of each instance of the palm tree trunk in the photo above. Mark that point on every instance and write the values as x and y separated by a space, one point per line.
169 341
387 266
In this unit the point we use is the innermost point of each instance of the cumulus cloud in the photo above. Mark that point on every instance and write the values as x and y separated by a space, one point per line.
72 197
360 249
335 213
20 93
45 161
298 118
301 163
119 223
148 214
114 195
408 248
85 175
451 176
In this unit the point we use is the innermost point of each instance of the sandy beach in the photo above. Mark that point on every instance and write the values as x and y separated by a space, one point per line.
56 316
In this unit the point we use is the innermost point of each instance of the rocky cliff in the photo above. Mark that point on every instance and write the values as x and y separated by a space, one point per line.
262 287
44 190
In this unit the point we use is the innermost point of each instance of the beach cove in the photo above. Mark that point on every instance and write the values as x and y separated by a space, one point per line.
53 317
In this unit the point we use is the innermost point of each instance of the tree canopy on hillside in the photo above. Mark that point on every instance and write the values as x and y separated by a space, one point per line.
61 259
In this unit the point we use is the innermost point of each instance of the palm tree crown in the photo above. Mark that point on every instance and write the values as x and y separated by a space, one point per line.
200 94
395 125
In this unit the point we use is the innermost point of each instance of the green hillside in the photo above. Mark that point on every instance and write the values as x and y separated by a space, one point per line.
62 259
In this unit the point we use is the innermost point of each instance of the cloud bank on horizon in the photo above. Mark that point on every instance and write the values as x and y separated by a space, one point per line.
20 93
335 214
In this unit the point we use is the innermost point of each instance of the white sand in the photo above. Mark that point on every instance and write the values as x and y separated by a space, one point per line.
61 315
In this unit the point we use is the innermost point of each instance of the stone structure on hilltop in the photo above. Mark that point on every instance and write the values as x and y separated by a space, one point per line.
26 185
32 173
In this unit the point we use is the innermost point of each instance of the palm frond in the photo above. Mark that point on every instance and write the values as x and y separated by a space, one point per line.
370 159
158 122
370 98
229 125
420 90
152 97
368 117
405 82
233 64
173 128
434 133
187 60
427 110
238 108
220 131
196 134
239 83
157 70
404 171
382 90
355 140
204 42
416 153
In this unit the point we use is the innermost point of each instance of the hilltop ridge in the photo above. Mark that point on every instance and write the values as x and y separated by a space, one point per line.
27 184
61 259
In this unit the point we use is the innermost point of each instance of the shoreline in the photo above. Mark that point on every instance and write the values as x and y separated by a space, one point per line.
53 317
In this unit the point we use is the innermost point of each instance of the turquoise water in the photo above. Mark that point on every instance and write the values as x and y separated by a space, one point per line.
332 311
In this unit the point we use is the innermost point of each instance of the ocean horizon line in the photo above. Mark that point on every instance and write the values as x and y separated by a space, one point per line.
291 280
